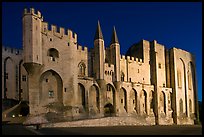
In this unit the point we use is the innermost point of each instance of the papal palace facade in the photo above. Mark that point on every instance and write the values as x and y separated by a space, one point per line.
149 82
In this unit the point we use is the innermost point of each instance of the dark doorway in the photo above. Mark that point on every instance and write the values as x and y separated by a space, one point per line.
108 110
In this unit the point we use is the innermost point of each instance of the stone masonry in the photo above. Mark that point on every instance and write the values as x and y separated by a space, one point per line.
150 83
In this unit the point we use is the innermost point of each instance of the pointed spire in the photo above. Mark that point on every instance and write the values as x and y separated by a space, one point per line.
98 34
114 37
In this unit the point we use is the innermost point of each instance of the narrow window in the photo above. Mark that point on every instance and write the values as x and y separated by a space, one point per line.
6 75
24 78
51 93
189 81
160 65
179 78
122 76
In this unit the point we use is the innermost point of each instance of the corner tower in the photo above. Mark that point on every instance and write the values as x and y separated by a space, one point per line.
32 37
99 57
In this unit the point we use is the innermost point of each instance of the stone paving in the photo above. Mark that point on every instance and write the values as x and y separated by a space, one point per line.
107 121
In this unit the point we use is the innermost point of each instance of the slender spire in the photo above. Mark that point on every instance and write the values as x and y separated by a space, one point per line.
98 34
114 37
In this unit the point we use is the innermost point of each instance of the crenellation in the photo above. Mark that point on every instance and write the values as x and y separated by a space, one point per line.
79 47
128 58
140 60
33 12
44 26
122 56
62 31
86 49
132 58
12 50
54 28
136 60
82 49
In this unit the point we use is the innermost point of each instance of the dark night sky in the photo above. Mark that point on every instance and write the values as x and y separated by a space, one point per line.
173 24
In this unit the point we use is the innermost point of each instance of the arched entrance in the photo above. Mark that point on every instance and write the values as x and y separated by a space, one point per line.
9 79
108 110
50 87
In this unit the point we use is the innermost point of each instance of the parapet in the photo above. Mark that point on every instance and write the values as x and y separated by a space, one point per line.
12 50
59 31
32 12
80 48
131 59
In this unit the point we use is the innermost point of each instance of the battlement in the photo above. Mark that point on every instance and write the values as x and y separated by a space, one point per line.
108 65
33 12
83 49
59 31
131 59
12 50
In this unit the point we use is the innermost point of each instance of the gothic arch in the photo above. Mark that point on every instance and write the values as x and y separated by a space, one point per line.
110 98
82 95
50 87
9 78
94 97
184 83
193 85
123 98
134 100
143 102
163 102
195 97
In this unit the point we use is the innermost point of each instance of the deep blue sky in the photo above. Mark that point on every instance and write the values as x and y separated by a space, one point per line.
177 24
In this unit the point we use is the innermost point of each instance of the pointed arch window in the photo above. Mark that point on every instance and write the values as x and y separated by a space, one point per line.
82 69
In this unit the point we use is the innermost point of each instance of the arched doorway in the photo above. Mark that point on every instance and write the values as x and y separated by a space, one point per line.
123 98
50 87
110 99
82 95
108 110
94 100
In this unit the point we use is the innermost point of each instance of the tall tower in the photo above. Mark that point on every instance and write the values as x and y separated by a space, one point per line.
99 55
115 55
32 37
32 54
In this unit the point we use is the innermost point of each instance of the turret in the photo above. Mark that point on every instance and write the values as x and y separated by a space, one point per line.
32 37
115 55
99 54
